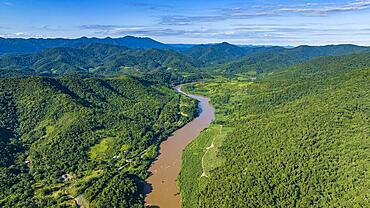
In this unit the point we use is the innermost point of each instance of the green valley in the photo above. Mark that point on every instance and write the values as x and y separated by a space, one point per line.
185 104
82 121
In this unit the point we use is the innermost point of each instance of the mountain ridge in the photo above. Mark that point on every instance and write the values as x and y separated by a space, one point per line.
20 45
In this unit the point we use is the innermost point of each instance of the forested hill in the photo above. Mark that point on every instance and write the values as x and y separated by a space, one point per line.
96 59
87 139
276 58
18 45
296 138
262 59
323 67
214 54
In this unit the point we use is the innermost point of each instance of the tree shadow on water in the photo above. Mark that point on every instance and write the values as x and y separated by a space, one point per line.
147 187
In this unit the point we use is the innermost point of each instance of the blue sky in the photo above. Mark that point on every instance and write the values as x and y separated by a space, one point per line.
267 22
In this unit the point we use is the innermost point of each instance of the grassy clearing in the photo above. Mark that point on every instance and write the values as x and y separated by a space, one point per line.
103 150
212 159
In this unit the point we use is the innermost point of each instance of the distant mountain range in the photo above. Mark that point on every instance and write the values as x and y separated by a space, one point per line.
18 45
147 57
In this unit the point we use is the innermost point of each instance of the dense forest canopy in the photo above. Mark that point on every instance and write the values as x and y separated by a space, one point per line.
217 53
296 138
275 58
96 59
92 139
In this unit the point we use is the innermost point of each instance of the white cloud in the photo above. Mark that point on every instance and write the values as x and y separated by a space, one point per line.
19 34
248 12
325 9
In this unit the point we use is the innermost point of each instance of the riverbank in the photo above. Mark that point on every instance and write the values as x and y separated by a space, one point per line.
201 156
165 169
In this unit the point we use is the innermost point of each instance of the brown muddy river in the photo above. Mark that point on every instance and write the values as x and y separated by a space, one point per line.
166 168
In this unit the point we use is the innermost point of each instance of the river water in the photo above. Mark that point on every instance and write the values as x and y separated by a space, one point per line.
166 168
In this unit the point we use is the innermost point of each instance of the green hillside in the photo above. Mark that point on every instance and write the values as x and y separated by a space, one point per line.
216 53
276 58
96 59
297 138
89 141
